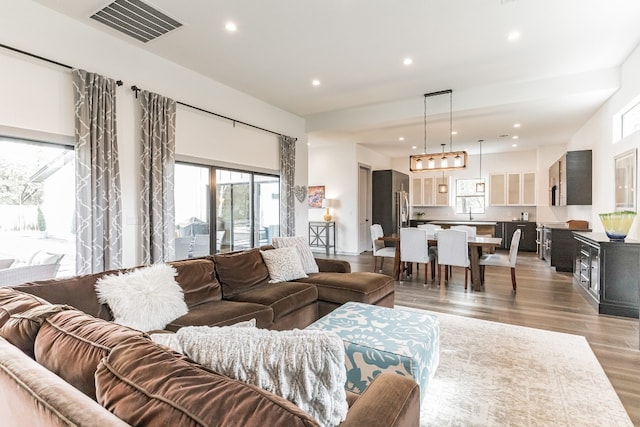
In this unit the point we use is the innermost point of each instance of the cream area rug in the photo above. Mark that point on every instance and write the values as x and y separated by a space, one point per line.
494 374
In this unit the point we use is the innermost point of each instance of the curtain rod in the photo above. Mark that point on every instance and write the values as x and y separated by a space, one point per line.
136 89
42 58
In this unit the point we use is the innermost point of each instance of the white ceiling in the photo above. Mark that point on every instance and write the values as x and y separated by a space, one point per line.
560 71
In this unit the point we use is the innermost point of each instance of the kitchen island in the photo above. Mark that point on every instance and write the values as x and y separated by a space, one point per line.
485 228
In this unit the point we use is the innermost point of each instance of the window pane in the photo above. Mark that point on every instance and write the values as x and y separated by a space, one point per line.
37 205
267 200
192 211
631 121
233 206
468 201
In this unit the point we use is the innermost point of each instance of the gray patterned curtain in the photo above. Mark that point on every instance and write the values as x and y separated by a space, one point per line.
98 199
158 125
287 176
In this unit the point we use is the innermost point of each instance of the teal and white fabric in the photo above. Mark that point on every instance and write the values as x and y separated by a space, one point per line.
380 339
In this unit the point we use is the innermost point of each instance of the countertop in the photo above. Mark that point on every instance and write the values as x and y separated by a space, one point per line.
459 222
602 238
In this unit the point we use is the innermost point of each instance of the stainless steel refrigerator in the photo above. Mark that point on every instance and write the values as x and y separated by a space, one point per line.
390 200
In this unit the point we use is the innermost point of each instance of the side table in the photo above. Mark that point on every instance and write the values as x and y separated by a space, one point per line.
322 234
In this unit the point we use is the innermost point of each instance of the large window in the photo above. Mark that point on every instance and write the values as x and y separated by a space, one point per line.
37 202
467 200
244 212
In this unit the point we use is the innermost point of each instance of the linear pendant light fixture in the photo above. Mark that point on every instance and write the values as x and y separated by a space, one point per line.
438 161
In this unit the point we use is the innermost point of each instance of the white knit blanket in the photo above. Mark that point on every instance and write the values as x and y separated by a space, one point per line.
305 367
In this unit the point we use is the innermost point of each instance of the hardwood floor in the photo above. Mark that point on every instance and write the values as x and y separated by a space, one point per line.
545 300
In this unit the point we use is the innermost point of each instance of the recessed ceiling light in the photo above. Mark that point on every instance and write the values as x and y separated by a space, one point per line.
513 36
514 145
401 138
407 61
230 26
413 147
454 132
315 82
516 125
515 137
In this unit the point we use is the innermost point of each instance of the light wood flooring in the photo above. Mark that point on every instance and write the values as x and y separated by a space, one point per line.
545 299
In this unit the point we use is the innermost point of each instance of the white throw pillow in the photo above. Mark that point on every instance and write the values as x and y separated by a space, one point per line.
283 264
145 299
304 251
305 367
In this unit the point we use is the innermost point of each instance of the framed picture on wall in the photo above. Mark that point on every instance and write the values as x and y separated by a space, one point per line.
625 170
315 196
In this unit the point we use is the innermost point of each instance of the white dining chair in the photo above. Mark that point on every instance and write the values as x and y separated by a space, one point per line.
502 260
432 229
453 251
379 249
414 248
471 231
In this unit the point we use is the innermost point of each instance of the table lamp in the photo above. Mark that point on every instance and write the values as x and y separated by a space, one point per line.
326 203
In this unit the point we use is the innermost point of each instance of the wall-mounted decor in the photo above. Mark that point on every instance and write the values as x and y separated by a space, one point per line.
300 191
625 170
316 194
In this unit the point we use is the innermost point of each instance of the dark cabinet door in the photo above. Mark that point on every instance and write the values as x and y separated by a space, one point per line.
527 236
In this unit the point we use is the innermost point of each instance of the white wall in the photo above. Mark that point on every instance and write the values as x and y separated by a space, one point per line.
597 134
37 96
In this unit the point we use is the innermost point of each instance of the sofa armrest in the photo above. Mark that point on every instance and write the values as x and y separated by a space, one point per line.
389 401
31 395
333 265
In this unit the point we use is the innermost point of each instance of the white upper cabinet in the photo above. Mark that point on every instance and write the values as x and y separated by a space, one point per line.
424 191
512 189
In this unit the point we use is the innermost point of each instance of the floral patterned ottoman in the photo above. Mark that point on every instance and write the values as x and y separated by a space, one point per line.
380 339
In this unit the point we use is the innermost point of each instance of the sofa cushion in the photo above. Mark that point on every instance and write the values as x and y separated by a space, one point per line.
223 313
146 298
77 291
304 251
360 286
240 271
283 264
21 328
13 301
144 384
71 344
198 281
283 298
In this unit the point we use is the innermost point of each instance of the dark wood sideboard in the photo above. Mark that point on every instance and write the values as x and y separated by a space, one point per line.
608 273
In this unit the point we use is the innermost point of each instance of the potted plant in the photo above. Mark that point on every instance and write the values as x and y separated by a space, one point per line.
419 214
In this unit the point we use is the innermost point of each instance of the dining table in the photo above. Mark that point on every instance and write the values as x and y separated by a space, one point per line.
476 246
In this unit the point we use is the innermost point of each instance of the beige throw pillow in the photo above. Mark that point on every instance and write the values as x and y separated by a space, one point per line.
283 264
304 251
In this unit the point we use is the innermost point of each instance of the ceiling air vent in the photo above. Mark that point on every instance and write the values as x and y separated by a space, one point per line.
136 19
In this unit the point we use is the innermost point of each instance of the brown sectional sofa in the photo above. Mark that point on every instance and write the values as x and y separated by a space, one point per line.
105 365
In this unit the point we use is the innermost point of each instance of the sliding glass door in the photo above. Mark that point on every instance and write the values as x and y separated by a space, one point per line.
225 209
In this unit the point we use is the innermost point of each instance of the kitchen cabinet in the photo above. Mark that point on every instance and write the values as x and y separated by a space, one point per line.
570 179
505 230
559 248
608 273
512 189
424 191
